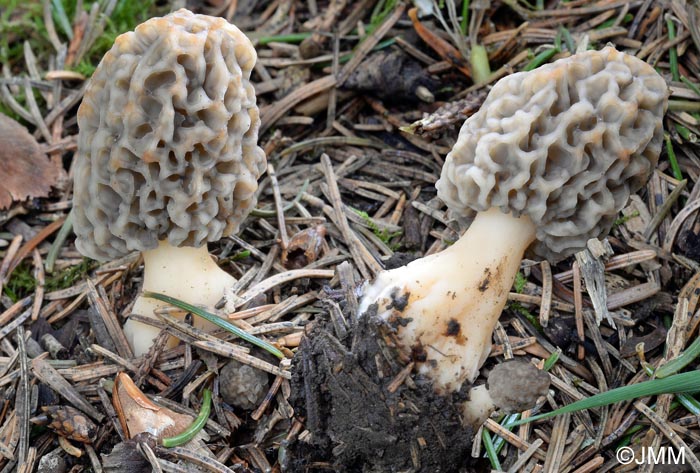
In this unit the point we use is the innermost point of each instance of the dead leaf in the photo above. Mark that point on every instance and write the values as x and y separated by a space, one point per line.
139 414
25 172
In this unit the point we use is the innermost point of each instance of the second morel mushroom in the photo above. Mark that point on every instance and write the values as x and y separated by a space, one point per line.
548 161
167 156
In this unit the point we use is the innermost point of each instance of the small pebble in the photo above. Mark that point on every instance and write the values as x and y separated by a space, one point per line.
242 385
52 462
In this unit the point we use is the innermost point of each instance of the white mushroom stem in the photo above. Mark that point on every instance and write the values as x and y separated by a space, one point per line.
186 273
479 407
454 298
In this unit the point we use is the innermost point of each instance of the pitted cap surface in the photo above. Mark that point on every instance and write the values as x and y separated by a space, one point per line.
565 144
167 148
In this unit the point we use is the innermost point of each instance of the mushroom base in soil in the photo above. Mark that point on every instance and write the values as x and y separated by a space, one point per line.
547 163
365 409
447 304
185 273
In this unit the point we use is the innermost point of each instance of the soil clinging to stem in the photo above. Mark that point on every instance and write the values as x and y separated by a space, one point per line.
358 419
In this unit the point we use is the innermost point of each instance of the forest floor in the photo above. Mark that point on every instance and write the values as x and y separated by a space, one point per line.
360 103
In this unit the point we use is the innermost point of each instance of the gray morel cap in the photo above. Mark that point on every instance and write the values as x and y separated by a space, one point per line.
565 144
167 148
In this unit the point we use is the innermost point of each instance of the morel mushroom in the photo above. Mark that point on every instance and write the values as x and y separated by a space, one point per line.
167 156
547 162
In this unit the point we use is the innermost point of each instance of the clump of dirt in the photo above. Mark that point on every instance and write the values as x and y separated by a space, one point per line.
358 419
390 75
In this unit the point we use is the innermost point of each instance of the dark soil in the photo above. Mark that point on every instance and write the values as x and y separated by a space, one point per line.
341 387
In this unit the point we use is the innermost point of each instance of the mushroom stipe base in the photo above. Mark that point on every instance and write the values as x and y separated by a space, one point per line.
340 386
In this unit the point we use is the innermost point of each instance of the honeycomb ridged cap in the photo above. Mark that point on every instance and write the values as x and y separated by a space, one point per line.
167 148
565 144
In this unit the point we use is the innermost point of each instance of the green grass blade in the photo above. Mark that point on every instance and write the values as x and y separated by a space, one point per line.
551 360
672 52
540 59
194 427
292 38
58 242
225 324
691 352
507 424
677 173
464 25
490 449
60 15
680 383
689 402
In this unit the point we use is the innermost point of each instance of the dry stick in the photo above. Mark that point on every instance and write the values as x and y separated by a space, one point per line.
232 351
535 300
89 372
40 281
670 434
502 339
575 440
7 260
16 322
150 359
578 310
50 28
103 352
34 242
604 410
615 262
557 443
633 294
283 308
516 345
677 222
526 455
591 465
47 374
191 331
279 279
281 226
98 301
148 453
65 104
28 465
34 110
675 342
546 305
350 238
22 400
274 112
15 309
691 291
664 210
511 438
641 14
10 101
594 331
333 93
257 414
109 409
